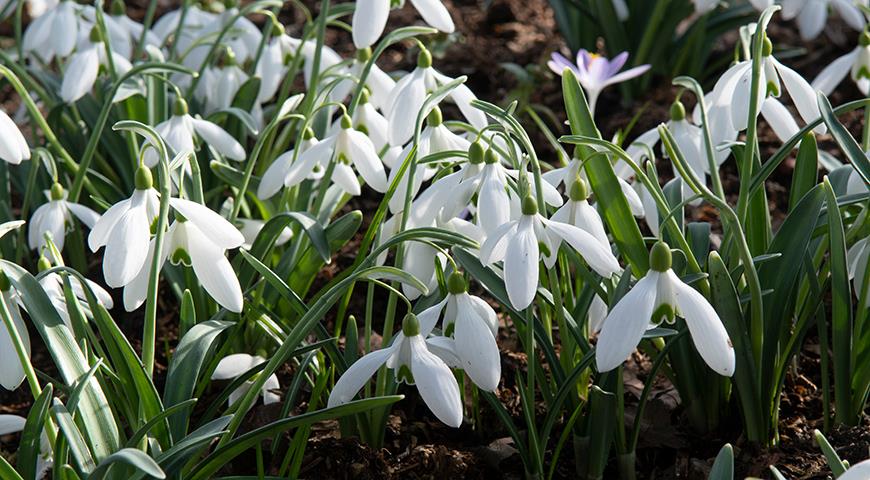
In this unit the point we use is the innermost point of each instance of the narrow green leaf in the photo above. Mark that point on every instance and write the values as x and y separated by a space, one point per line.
129 456
850 147
834 462
723 466
806 170
80 452
30 445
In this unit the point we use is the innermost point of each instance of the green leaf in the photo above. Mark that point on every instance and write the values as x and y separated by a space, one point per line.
603 180
7 472
834 462
192 352
850 147
29 447
723 467
242 115
130 456
806 170
144 429
232 449
73 436
338 233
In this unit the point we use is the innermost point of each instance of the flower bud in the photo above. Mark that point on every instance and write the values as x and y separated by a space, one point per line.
660 257
43 264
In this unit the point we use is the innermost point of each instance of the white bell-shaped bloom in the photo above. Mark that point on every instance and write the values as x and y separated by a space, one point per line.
412 362
577 211
233 366
596 314
55 32
812 15
379 84
180 130
474 328
410 94
84 66
54 216
518 243
191 37
124 230
11 370
658 296
275 176
124 32
13 424
251 228
197 238
370 18
566 175
349 147
858 258
859 471
856 63
53 286
13 146
733 89
220 84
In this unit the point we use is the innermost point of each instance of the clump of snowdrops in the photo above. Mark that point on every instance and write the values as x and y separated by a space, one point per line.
206 162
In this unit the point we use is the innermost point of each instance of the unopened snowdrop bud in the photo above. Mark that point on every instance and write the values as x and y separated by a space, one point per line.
530 205
424 58
410 325
56 192
43 263
476 153
434 119
456 284
144 180
660 257
579 191
678 111
767 47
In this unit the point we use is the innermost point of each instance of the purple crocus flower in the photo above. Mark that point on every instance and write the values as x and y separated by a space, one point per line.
596 72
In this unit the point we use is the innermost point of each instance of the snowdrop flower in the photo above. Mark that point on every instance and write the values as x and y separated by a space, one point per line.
11 370
856 63
13 146
55 32
859 471
595 72
84 66
348 146
233 366
733 89
380 84
596 314
276 175
179 132
567 174
812 15
14 424
250 229
198 238
517 243
370 18
55 216
410 94
220 83
660 295
123 31
474 327
124 230
412 362
857 258
52 284
704 6
577 212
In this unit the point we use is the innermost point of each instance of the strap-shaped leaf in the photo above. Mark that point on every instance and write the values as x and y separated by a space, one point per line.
850 147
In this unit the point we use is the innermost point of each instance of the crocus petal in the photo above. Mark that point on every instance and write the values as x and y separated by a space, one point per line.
218 138
521 265
476 346
369 20
436 383
624 326
828 79
357 375
708 334
219 231
627 75
435 13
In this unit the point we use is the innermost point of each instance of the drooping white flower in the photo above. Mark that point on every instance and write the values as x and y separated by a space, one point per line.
53 286
349 147
199 238
233 366
275 176
856 63
410 94
124 32
379 84
180 130
658 296
13 146
412 362
474 328
517 243
55 32
251 228
124 230
566 175
812 15
595 72
859 471
577 212
54 216
14 424
857 258
596 314
370 18
84 66
11 370
733 90
220 83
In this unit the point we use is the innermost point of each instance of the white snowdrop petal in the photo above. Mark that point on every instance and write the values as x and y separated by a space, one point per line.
476 346
11 370
802 94
344 177
136 291
11 424
126 248
234 365
831 76
365 158
218 229
495 247
435 13
218 138
369 20
214 271
811 21
80 75
779 118
85 214
485 312
521 266
436 383
270 397
493 207
402 117
625 324
305 162
708 333
428 318
596 255
445 349
13 146
357 375
850 13
859 471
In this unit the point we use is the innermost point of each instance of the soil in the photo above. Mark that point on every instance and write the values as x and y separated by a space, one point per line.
488 36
